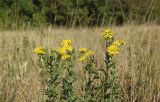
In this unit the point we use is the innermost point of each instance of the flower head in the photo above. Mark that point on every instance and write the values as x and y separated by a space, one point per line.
62 50
86 54
89 53
118 42
66 57
66 42
83 59
39 50
68 48
65 49
83 50
107 34
112 50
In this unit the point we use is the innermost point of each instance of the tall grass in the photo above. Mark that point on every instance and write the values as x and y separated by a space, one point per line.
138 63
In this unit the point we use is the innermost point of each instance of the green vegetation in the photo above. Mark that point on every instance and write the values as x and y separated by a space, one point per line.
99 84
22 13
136 71
91 65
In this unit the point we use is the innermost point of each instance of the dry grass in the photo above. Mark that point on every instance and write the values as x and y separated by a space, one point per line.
138 63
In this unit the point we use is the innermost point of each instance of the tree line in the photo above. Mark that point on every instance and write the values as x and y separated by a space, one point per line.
15 13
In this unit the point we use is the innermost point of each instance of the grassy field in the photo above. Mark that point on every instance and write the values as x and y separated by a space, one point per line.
138 62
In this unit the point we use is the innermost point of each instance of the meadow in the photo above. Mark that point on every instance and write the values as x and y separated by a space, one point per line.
138 63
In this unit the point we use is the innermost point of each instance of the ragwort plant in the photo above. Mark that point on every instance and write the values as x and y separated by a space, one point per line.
99 85
90 75
49 61
110 89
67 55
53 63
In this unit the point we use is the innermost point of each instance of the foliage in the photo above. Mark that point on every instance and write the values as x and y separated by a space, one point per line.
15 13
98 84
110 88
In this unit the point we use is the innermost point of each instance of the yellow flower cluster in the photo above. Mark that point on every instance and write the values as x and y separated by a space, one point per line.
89 53
83 58
66 42
83 50
113 49
39 50
62 50
66 56
107 34
118 42
86 53
65 49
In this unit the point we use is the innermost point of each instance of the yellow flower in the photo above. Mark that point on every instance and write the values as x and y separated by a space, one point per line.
83 59
118 43
86 54
66 42
62 50
66 57
68 48
89 53
112 50
83 50
39 50
107 34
